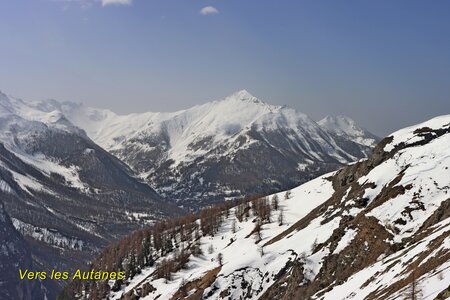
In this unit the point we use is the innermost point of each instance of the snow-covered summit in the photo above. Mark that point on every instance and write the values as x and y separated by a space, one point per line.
189 145
19 120
344 126
216 118
46 112
222 121
244 95
340 124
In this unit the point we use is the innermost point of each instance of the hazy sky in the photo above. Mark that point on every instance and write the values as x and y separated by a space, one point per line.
384 63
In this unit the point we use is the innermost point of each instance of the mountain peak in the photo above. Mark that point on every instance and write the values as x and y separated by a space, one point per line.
242 94
339 123
245 96
342 125
337 119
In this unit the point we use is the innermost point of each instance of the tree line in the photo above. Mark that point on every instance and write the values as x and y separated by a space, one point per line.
179 237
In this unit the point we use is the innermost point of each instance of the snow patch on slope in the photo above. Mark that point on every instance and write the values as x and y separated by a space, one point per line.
48 236
407 135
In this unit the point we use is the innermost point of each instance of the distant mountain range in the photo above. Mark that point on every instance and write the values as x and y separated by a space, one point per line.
223 149
66 195
376 229
75 178
348 135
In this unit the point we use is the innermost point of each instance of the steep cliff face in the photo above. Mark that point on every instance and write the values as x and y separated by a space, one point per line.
377 229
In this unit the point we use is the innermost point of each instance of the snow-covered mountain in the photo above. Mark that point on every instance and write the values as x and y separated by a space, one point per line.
66 195
345 130
376 229
223 149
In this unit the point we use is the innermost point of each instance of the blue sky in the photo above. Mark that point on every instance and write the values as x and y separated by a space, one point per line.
384 63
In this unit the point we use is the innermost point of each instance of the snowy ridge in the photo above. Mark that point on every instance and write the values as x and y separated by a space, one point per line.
42 154
31 113
366 231
223 120
65 194
344 126
179 153
20 123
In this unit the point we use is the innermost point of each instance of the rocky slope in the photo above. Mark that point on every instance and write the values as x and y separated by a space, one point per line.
65 195
15 255
377 229
222 149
